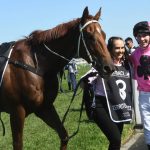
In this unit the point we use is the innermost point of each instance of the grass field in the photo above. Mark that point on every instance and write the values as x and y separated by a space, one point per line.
38 136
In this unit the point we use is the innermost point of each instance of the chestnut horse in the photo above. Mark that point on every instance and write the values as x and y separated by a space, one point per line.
30 83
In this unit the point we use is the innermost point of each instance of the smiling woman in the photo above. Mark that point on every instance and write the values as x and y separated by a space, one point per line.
117 49
108 101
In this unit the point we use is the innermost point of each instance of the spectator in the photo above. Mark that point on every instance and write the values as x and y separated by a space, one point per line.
72 71
140 59
111 103
60 75
129 44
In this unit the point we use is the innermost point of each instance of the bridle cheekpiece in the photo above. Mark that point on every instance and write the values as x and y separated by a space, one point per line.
81 36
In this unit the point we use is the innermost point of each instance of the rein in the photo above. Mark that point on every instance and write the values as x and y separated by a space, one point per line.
81 109
81 36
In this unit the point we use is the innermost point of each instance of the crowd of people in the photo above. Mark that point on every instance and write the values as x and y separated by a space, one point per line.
112 98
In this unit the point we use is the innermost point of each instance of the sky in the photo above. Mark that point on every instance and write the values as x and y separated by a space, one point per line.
18 18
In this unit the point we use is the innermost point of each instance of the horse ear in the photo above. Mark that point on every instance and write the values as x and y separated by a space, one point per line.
97 16
84 15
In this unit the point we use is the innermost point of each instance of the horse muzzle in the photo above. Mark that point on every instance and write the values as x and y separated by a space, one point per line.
105 70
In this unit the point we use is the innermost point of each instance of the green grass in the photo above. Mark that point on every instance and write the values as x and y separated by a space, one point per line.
38 136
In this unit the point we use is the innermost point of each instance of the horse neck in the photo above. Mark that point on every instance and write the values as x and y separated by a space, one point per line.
65 47
62 40
67 44
52 62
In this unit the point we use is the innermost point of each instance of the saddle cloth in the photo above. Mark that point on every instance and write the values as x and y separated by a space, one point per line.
5 52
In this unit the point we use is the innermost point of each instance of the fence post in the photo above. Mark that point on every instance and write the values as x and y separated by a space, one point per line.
138 123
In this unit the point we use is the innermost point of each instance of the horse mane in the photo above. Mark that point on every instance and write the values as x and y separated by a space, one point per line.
42 36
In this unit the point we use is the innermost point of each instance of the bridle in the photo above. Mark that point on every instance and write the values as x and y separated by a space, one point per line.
81 36
38 71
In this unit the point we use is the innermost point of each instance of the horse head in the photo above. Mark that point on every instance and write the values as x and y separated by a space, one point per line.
92 39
